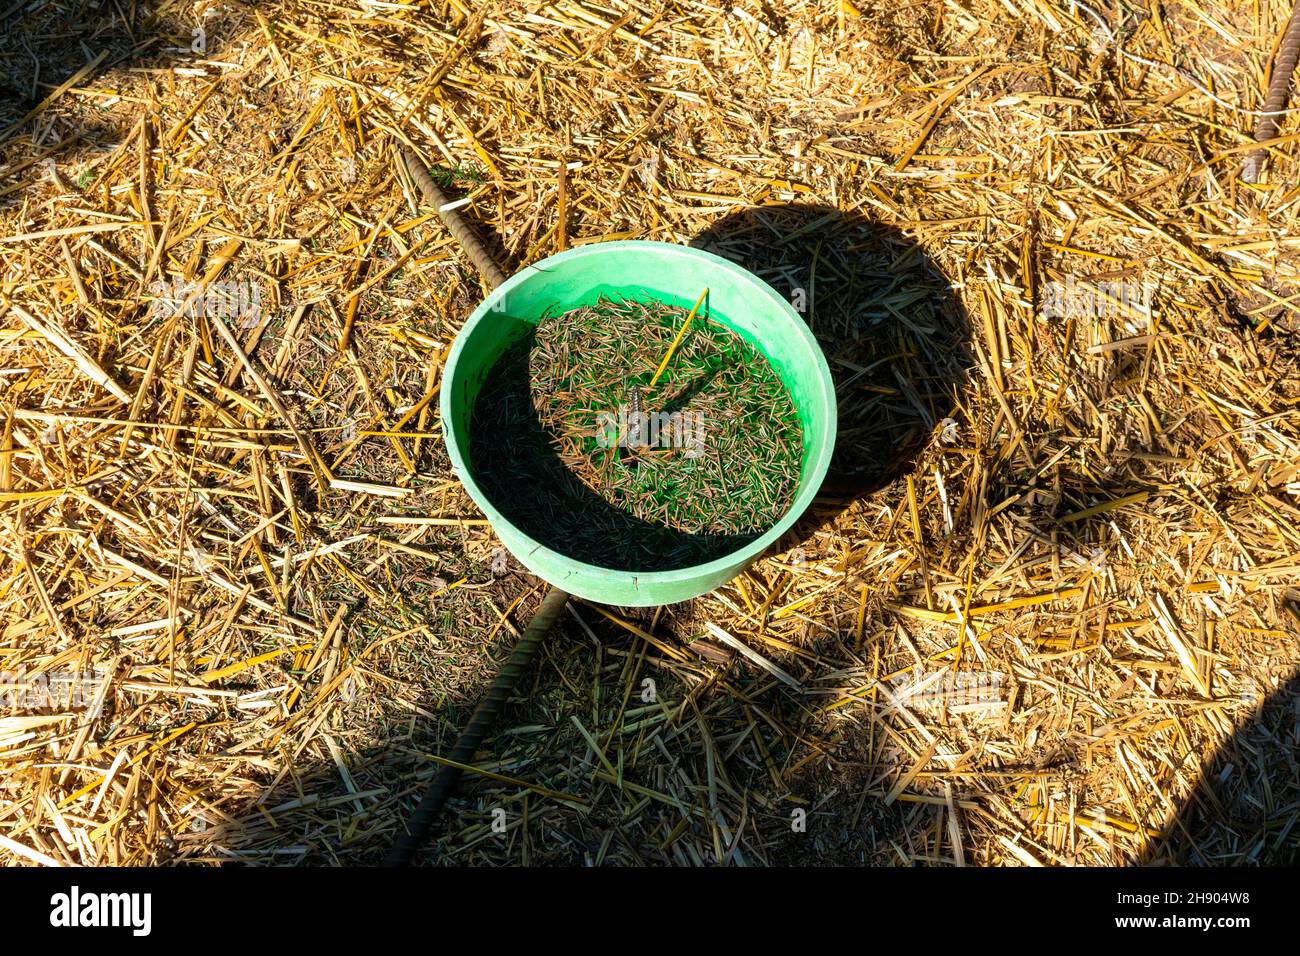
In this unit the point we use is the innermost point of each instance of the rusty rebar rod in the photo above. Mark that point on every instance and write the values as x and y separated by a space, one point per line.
1279 86
421 821
485 715
456 225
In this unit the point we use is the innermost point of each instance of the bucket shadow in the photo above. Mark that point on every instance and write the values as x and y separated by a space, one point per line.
893 332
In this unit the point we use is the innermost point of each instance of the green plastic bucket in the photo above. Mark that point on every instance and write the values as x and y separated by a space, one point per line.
639 270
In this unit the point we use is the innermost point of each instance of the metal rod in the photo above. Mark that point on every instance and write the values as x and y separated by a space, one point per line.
420 823
485 715
1288 53
474 248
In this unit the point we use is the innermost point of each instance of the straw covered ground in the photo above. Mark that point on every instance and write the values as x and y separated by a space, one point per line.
1041 614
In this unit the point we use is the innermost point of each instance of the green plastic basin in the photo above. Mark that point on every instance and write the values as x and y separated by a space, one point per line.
640 270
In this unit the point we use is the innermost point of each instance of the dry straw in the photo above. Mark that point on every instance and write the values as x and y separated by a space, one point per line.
1046 476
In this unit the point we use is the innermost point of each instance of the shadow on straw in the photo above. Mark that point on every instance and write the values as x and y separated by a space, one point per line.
1245 809
887 320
